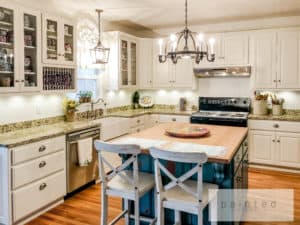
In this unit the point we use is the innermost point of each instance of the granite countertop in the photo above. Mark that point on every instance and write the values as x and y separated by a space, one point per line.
139 112
290 115
28 135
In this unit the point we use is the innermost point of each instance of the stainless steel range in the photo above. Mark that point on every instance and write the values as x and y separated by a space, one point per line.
222 111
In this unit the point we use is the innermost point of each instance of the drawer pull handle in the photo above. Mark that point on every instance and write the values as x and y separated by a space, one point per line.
42 164
276 125
173 119
42 148
138 121
43 186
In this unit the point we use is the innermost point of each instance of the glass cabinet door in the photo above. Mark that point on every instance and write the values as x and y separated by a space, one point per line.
133 63
124 63
7 48
51 38
68 43
30 50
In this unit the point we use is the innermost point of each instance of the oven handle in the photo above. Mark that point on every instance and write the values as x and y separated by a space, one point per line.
75 142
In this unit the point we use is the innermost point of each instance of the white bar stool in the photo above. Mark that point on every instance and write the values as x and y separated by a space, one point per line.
124 183
182 194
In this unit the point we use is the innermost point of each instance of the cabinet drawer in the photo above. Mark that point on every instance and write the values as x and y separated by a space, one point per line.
274 125
30 171
37 195
137 121
31 151
137 129
170 118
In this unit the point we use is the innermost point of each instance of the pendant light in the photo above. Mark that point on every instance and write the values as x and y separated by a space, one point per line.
186 45
100 53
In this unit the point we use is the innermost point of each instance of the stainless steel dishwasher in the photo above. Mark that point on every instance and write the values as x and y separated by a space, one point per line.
79 176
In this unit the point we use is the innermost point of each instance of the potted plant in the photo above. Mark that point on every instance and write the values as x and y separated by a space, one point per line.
277 105
85 96
70 107
135 99
260 104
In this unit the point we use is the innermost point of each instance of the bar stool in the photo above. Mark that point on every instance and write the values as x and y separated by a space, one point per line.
183 194
121 182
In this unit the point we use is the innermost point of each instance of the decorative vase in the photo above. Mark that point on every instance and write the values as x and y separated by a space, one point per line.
277 110
70 116
260 107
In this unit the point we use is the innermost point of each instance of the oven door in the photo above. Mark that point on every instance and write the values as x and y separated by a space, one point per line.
79 176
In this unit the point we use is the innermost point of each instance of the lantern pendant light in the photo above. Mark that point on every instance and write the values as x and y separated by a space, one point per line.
100 54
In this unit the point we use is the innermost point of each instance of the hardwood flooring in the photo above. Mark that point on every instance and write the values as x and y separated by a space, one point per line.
84 208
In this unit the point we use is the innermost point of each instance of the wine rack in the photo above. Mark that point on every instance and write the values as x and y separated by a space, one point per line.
56 78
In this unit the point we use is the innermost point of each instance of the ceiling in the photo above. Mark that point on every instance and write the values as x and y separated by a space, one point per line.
157 14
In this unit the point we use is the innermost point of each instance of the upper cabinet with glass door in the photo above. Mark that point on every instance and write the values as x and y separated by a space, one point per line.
58 41
128 61
31 57
8 80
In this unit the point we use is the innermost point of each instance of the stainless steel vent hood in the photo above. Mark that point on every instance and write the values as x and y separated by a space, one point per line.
226 71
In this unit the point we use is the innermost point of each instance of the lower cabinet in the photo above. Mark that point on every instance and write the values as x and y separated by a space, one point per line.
37 195
278 145
38 177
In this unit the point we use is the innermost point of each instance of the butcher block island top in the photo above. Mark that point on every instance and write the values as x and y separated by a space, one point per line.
222 141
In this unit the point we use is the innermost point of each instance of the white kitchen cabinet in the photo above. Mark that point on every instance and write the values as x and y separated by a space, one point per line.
170 75
235 48
9 49
288 72
121 70
263 59
230 49
114 127
275 59
145 65
274 143
218 51
59 43
30 50
151 120
289 149
263 146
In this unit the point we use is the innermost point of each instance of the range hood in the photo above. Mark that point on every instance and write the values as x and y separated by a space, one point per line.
226 71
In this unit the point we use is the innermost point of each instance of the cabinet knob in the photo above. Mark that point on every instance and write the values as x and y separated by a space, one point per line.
279 81
273 140
276 125
138 121
17 81
42 148
278 141
174 119
42 164
274 81
43 186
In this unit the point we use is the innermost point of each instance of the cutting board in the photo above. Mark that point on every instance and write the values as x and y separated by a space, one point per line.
187 131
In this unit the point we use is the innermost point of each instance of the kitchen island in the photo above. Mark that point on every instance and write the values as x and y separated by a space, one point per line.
227 164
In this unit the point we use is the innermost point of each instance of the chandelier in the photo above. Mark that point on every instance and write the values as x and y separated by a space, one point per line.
186 45
100 53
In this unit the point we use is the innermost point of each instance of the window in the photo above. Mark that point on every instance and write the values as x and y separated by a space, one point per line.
88 74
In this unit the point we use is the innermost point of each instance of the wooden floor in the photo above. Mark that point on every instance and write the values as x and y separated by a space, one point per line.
84 208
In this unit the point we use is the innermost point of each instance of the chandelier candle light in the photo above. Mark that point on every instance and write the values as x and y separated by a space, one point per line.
194 46
100 53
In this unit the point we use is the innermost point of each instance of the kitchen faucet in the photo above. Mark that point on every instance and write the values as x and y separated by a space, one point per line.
96 102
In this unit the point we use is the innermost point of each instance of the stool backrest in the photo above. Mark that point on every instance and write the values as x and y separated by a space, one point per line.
132 150
186 157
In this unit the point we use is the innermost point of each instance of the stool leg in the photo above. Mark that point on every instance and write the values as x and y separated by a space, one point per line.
103 206
177 217
200 216
160 211
136 209
127 207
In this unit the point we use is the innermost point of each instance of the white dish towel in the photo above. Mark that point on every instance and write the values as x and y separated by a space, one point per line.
85 151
